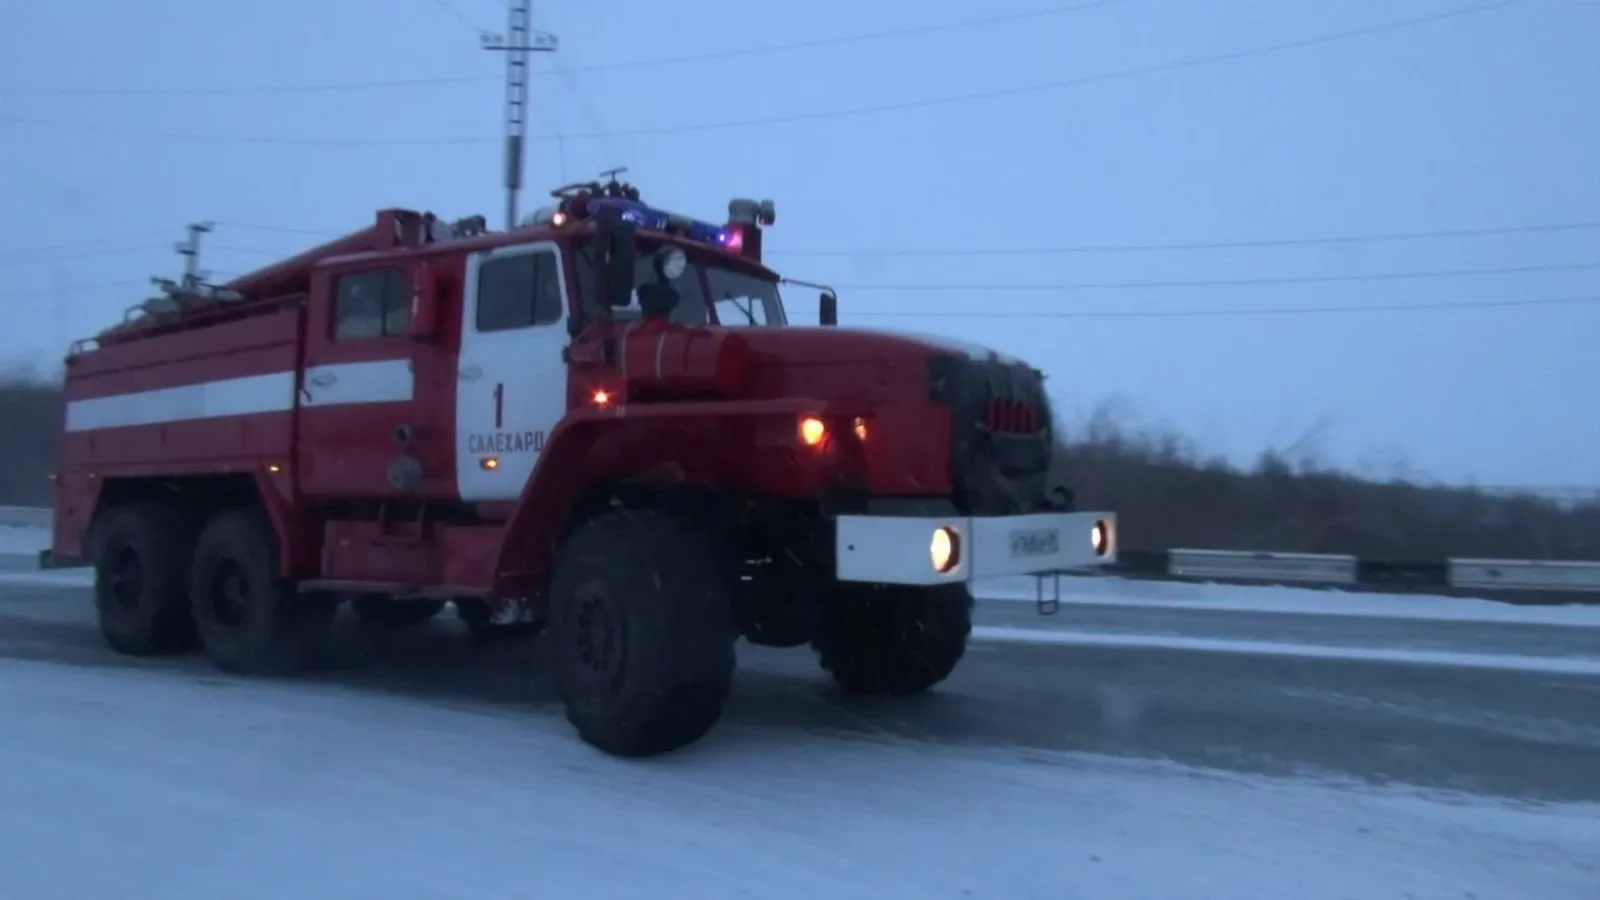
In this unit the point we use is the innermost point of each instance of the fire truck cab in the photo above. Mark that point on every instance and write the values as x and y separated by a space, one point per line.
600 424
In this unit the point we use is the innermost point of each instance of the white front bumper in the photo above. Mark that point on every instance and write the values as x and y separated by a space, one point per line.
897 549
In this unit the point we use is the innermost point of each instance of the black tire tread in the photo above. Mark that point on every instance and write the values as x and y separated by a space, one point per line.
893 639
164 539
672 586
284 628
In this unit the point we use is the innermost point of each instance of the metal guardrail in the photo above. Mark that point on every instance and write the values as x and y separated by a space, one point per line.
1557 581
1553 580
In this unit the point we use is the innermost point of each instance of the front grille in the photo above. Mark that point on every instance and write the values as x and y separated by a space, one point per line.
1011 416
1000 435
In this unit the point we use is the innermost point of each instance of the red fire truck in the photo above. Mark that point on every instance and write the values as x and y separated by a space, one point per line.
601 424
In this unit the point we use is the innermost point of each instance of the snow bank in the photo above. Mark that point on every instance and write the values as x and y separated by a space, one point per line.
142 785
1295 601
22 540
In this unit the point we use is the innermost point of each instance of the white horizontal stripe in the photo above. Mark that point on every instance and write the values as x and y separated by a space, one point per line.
209 400
382 381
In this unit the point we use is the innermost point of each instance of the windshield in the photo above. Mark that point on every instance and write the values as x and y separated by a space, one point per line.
739 299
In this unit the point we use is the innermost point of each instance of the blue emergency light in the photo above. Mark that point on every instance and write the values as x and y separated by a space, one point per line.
645 216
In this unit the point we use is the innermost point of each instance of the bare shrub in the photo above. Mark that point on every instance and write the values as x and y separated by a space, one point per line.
1167 495
30 415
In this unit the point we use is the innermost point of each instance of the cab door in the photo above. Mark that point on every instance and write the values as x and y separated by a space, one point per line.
357 390
511 382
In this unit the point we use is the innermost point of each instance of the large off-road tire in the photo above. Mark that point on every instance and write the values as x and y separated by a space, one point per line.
251 621
388 614
141 558
641 624
778 606
893 639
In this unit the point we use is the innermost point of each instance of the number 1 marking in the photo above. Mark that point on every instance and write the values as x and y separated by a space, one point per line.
499 406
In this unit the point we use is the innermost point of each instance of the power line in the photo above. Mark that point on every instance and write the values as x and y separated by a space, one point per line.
12 252
95 286
1237 312
79 250
1413 275
454 12
32 259
1234 312
1389 237
654 62
1227 282
795 118
1061 84
1407 275
1362 238
280 229
861 38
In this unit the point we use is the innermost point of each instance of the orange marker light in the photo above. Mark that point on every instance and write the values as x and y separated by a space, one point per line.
601 398
860 428
489 463
812 431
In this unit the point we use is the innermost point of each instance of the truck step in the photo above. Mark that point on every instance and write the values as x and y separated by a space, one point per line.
390 588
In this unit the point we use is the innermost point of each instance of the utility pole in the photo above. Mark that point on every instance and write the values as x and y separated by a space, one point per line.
189 248
518 41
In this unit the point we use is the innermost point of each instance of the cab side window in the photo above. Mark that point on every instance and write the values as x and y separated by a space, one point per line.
519 291
371 305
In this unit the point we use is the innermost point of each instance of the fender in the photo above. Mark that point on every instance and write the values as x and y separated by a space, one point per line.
659 443
77 505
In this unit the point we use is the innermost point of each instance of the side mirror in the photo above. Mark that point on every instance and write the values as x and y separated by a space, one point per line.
828 308
424 326
614 245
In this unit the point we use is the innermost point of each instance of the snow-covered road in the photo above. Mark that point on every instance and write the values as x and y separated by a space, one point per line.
162 783
1095 754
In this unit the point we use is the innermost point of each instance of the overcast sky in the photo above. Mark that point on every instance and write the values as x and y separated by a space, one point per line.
1122 125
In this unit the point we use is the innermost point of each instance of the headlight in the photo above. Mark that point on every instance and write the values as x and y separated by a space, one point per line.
944 551
1100 538
671 262
812 431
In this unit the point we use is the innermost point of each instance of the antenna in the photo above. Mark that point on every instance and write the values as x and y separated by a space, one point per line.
517 43
189 249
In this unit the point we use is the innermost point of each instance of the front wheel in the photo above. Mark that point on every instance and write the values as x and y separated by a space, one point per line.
641 619
893 639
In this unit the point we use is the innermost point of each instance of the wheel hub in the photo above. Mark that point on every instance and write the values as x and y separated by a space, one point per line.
125 580
230 595
599 641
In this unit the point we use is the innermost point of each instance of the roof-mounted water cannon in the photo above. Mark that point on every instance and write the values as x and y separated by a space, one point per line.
746 218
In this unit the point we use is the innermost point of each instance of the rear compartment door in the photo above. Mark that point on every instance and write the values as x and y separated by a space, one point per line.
357 383
511 387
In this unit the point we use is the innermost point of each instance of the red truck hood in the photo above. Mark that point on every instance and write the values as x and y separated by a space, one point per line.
804 346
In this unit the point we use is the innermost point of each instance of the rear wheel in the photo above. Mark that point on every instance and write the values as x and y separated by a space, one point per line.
141 580
641 619
893 639
251 621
